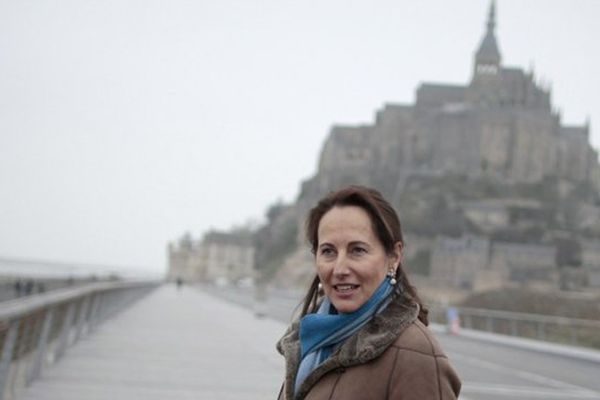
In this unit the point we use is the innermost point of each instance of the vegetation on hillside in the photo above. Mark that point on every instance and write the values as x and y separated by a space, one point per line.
275 241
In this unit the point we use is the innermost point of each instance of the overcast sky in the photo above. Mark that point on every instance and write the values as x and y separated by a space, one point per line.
124 123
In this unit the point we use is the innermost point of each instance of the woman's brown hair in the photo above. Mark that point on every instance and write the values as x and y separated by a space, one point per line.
386 226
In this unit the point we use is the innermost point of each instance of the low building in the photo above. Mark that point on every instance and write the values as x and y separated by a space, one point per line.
183 258
590 260
593 276
476 263
219 257
456 261
228 257
590 253
525 263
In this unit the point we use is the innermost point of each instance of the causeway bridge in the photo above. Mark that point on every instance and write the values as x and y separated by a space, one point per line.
145 340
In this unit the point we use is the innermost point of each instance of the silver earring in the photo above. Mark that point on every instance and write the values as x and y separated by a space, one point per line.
392 274
320 286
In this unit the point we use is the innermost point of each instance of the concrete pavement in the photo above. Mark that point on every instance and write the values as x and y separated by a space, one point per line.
170 345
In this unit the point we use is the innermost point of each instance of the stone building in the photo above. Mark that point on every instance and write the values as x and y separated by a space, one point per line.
183 258
500 125
525 263
218 257
590 253
590 260
476 263
457 261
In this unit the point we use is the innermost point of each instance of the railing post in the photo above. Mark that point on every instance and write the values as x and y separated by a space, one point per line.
489 326
467 319
513 327
42 344
541 330
81 317
573 335
95 312
63 340
7 355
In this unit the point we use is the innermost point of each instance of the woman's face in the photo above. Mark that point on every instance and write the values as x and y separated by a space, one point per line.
351 261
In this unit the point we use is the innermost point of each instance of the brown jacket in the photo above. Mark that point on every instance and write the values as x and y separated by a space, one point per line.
394 356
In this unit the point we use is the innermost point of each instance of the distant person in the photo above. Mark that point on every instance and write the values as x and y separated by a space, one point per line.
29 287
366 337
18 286
179 283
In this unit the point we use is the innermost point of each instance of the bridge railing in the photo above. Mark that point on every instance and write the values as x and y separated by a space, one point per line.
571 331
36 330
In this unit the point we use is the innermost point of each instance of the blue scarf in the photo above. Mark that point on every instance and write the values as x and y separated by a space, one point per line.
322 332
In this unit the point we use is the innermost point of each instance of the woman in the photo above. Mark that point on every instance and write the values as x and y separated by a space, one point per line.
366 338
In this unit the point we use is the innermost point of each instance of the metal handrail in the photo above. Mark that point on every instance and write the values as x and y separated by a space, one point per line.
572 331
527 317
36 330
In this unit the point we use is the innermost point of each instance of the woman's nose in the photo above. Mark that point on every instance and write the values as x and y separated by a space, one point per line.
341 265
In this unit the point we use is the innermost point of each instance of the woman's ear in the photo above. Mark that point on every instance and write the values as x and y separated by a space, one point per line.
396 256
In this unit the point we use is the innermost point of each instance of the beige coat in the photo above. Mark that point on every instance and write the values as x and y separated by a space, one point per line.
394 356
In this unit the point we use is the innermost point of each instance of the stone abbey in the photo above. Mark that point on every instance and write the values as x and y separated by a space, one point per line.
493 190
500 126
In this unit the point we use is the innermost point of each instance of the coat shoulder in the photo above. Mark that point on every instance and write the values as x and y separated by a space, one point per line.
418 338
422 366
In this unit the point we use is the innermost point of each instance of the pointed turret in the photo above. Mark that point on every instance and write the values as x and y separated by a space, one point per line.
487 58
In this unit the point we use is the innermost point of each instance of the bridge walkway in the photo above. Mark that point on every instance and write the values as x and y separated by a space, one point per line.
171 345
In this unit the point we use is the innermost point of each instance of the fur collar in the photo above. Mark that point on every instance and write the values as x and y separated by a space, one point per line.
367 344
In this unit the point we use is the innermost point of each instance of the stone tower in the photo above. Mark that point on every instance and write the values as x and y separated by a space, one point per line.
488 58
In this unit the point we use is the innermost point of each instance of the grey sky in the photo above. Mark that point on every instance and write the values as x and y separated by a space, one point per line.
124 123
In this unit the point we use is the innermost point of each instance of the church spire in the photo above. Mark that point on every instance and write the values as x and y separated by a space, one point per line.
487 58
491 24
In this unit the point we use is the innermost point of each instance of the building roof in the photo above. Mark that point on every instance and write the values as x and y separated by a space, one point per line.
574 131
437 95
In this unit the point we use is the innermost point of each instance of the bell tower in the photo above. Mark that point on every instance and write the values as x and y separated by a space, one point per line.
487 57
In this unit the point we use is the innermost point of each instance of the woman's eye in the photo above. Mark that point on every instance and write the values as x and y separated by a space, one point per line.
359 250
326 251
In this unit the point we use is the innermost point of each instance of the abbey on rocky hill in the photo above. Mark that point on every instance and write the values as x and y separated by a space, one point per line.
492 189
501 126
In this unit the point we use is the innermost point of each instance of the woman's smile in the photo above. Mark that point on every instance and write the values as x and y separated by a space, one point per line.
345 292
345 288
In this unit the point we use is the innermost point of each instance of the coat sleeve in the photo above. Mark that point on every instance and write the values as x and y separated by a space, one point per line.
422 376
